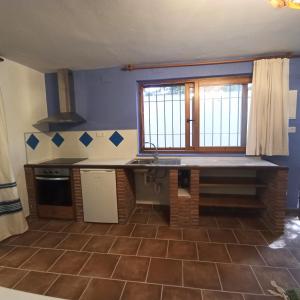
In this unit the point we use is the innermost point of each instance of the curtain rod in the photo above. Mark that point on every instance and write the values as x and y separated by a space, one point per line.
206 62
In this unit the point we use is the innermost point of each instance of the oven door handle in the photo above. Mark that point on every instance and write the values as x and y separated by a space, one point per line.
52 178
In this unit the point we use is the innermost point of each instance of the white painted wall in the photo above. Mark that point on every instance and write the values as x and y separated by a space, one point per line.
24 97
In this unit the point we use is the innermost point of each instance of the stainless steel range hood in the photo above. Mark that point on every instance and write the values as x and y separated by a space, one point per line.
67 113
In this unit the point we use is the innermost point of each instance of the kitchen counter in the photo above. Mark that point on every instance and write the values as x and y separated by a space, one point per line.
186 162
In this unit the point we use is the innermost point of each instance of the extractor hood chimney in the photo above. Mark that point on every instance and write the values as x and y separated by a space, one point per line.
67 113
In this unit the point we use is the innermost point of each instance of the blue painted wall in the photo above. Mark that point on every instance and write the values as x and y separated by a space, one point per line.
107 99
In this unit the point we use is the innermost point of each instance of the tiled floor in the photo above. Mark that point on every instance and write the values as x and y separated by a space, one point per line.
224 258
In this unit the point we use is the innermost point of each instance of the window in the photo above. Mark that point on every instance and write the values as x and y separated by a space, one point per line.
199 115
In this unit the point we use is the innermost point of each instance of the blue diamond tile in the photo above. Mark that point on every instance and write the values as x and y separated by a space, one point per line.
85 139
116 138
57 139
32 141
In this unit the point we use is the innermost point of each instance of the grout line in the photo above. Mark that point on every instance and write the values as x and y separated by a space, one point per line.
261 256
288 270
9 251
236 237
257 279
112 244
182 277
161 291
67 236
26 273
84 264
88 240
56 260
20 266
123 289
43 235
197 250
231 261
146 279
85 289
219 277
113 272
51 284
138 249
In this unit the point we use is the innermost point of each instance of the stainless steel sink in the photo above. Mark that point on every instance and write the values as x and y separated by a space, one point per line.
156 162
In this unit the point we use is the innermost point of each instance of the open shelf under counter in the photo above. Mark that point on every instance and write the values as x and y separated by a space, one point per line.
229 200
211 181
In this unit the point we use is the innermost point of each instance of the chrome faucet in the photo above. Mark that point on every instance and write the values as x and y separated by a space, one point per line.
155 155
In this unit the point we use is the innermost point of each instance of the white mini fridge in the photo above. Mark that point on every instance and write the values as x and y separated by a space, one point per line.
99 195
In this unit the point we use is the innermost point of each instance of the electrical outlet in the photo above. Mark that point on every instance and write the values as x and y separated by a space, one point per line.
292 129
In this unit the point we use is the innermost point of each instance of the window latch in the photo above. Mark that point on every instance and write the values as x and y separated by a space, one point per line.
190 120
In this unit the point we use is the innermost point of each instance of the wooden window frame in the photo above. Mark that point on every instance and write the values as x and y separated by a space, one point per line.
196 82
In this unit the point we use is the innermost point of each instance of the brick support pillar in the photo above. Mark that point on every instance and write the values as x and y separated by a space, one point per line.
31 191
184 208
173 197
77 194
125 194
274 197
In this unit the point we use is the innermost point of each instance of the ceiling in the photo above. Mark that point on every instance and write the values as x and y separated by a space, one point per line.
87 34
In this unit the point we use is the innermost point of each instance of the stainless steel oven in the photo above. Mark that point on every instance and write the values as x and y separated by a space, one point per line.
53 186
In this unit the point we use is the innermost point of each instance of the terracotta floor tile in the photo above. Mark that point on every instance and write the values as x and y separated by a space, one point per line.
132 268
101 265
214 295
182 250
70 262
68 287
27 238
50 240
243 254
270 236
228 222
138 291
121 230
212 252
4 249
158 219
294 251
238 278
165 271
97 229
145 231
125 246
260 297
154 248
200 275
99 244
281 276
250 237
195 234
103 289
9 277
296 274
74 242
42 260
76 227
139 218
36 282
17 256
221 236
173 293
167 233
55 225
36 224
210 222
253 223
278 257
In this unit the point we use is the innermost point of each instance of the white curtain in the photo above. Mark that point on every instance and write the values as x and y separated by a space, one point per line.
12 220
268 119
